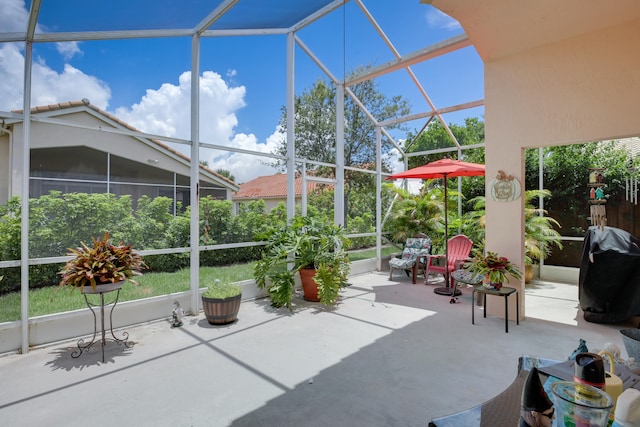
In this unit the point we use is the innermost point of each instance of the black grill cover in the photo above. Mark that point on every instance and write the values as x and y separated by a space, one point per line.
609 286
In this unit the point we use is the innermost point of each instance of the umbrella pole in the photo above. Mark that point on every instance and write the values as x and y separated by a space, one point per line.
446 290
446 236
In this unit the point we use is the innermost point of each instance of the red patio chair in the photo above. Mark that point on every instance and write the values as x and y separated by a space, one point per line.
459 250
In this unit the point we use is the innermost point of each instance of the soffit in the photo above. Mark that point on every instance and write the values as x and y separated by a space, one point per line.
500 28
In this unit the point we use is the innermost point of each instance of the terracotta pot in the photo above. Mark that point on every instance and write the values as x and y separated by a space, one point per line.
309 286
220 311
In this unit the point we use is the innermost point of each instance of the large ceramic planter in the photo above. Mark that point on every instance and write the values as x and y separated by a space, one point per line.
309 285
220 311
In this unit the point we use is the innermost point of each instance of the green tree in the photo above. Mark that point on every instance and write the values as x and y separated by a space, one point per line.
566 174
436 137
417 213
226 173
315 114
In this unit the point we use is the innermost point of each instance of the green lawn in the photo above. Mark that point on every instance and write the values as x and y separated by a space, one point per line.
47 301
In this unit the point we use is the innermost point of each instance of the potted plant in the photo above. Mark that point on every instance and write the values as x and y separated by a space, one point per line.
493 268
221 302
103 264
312 247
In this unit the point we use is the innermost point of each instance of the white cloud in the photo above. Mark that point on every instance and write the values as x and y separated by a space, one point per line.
245 167
166 111
14 16
68 49
47 85
438 19
163 111
11 75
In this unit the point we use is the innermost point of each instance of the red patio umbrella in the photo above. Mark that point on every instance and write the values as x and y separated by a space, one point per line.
443 168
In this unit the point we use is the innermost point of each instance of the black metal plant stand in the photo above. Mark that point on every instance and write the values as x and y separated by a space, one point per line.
101 290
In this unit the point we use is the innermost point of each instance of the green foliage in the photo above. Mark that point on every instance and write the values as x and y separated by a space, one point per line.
316 122
154 217
540 232
226 173
362 224
566 172
417 213
306 242
10 241
56 224
493 265
330 283
102 263
151 226
315 117
436 137
151 285
59 221
220 290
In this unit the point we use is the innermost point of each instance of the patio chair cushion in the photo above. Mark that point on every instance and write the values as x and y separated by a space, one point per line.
413 248
466 276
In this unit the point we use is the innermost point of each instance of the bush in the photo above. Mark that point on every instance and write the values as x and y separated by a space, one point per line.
61 221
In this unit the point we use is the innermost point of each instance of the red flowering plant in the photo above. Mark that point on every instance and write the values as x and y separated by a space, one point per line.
493 267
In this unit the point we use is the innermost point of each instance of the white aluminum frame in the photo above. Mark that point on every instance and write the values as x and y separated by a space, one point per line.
196 33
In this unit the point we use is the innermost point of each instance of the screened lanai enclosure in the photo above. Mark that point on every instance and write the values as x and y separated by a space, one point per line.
237 69
282 31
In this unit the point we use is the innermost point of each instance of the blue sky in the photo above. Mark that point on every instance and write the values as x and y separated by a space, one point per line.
145 82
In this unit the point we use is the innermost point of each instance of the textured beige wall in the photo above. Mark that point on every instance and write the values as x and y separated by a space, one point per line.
580 89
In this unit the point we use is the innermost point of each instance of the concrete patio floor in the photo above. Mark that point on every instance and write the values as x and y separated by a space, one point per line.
389 354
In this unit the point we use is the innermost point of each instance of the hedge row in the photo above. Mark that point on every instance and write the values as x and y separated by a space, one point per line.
61 221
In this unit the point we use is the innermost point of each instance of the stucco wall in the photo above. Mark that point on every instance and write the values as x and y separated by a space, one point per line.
580 89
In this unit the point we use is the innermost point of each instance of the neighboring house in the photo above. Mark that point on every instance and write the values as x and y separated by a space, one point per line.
272 189
78 159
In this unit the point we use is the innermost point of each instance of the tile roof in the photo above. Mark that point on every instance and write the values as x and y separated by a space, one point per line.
270 187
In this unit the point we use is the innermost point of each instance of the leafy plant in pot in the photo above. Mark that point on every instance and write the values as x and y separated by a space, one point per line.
305 244
493 268
103 264
221 302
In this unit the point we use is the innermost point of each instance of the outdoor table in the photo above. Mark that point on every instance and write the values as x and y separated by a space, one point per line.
504 409
504 291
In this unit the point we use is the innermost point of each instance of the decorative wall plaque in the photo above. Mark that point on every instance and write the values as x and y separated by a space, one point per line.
504 188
